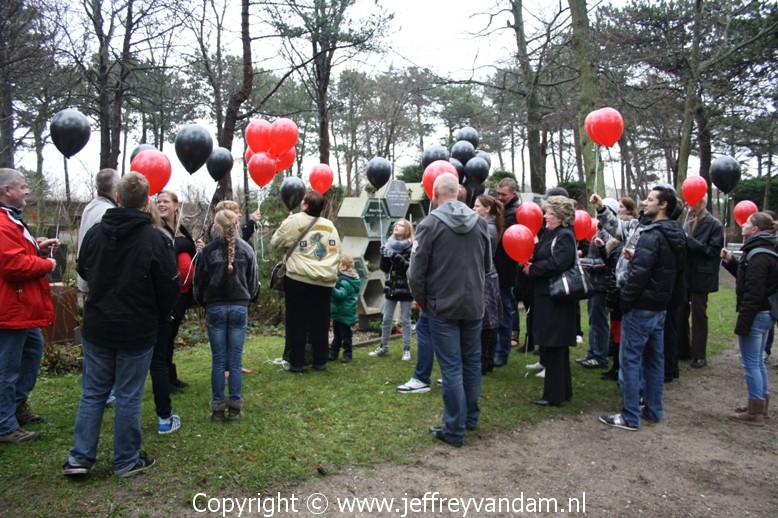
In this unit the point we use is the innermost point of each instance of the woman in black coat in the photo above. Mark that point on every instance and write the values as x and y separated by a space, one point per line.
554 322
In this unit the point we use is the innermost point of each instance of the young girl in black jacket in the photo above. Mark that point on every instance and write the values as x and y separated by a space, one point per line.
395 258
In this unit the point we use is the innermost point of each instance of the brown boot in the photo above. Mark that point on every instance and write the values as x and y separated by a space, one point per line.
217 411
754 415
766 406
234 409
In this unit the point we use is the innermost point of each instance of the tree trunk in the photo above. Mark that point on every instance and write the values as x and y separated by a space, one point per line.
690 102
224 187
6 123
589 91
704 146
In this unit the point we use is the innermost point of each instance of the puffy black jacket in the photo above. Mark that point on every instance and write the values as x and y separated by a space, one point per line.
396 269
133 280
756 280
702 255
506 267
652 273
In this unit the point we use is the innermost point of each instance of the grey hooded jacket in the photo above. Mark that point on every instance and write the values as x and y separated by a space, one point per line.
449 261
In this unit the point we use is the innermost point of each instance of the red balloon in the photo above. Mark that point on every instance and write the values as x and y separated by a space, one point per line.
286 159
435 169
743 211
283 135
592 231
248 154
262 168
321 178
155 166
257 135
604 126
518 242
530 215
694 189
582 224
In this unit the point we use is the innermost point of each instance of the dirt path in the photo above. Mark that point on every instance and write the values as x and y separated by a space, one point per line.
695 463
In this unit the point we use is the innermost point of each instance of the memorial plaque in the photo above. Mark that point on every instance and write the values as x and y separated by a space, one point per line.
397 200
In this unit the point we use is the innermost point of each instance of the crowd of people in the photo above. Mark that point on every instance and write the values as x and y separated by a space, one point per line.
139 269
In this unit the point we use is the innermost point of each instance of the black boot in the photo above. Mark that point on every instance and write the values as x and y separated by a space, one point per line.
488 343
333 354
174 381
613 372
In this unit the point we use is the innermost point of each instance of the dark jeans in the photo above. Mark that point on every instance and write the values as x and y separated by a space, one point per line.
307 319
160 370
671 344
342 337
693 345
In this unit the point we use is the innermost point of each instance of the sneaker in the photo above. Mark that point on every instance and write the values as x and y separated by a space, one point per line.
169 425
74 470
591 363
579 339
437 432
406 355
144 462
541 374
581 360
111 401
413 386
20 435
439 382
534 366
644 415
26 416
346 357
617 421
380 351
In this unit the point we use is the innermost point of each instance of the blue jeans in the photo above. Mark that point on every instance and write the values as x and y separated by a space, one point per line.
405 319
599 332
20 357
510 321
642 351
425 353
752 355
457 345
226 332
125 370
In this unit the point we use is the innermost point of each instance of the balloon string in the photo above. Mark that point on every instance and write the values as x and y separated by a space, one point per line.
613 174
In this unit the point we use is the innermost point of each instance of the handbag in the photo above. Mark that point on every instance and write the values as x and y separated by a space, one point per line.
572 284
279 270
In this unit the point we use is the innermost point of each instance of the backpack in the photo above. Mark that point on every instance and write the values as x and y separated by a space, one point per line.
773 299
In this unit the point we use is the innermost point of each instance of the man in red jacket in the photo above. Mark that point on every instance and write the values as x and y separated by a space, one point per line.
26 306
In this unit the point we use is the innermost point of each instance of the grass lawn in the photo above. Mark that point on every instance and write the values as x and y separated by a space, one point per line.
296 426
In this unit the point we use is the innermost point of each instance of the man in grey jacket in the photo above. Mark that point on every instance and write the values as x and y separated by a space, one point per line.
106 181
449 260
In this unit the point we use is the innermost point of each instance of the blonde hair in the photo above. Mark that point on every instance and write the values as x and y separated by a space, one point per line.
234 206
563 207
408 228
347 263
177 214
225 224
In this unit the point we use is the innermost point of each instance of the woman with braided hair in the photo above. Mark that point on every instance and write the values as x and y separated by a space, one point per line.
225 282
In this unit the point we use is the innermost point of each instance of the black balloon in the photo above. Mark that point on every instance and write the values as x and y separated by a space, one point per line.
433 153
70 131
219 163
193 147
292 192
469 134
725 173
379 171
139 148
476 171
483 154
459 167
463 151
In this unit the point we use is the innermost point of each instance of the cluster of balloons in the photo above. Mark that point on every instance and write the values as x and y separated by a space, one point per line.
270 148
465 161
604 126
70 131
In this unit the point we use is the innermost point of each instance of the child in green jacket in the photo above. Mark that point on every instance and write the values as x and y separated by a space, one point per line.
343 308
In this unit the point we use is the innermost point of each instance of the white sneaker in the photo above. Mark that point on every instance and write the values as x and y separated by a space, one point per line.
579 339
380 351
169 425
413 386
534 366
406 355
541 374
